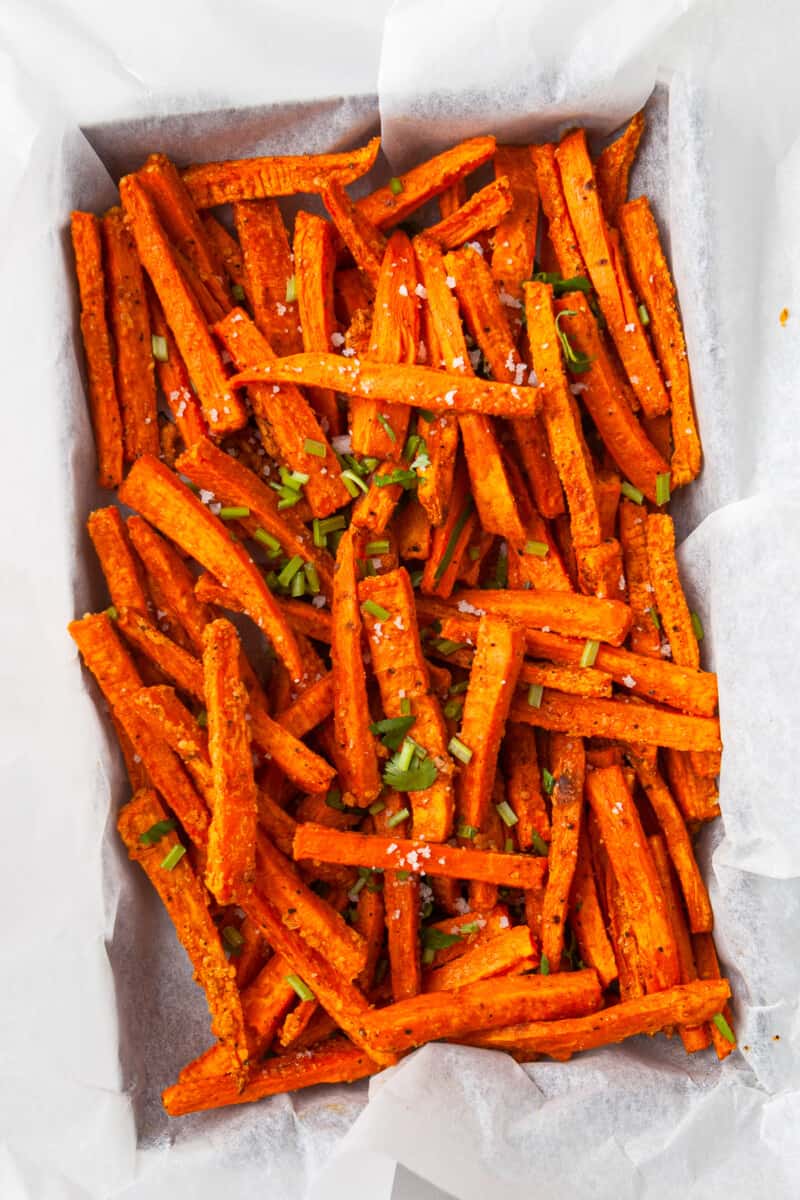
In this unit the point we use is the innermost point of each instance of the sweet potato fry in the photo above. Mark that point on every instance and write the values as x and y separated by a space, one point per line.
173 377
705 954
515 237
645 635
418 857
168 718
600 570
580 681
554 205
268 271
303 910
186 902
653 282
452 198
493 678
183 226
695 1037
370 923
130 326
613 167
292 423
679 844
106 657
222 408
668 592
606 396
686 1004
568 767
482 211
450 540
363 239
174 581
314 264
226 248
523 786
310 709
381 430
697 796
488 1004
401 896
231 841
351 294
176 664
590 717
607 273
210 184
471 928
161 498
333 1061
351 708
491 958
296 1022
620 927
421 387
586 917
412 530
401 672
563 612
103 400
435 478
386 206
122 571
307 620
635 872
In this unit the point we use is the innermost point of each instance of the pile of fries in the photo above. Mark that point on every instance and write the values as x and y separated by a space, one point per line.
457 798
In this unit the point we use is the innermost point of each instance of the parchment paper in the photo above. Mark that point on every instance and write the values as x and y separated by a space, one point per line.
97 1010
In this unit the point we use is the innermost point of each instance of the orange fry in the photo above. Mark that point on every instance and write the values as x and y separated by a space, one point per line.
161 498
515 237
222 408
562 612
600 571
607 273
580 681
363 239
450 540
130 325
586 716
483 211
351 708
173 378
485 1005
421 387
268 272
653 281
418 857
696 795
186 902
173 580
493 678
559 222
636 875
122 571
370 923
401 672
103 401
497 956
645 635
401 895
568 767
226 248
176 663
106 657
386 206
560 416
705 954
668 593
613 168
523 786
586 917
314 264
210 184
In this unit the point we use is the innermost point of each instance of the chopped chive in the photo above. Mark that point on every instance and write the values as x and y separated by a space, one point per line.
459 750
420 751
589 653
544 965
662 488
644 315
577 283
697 626
467 831
405 755
416 578
437 939
508 846
333 799
452 541
357 886
654 618
539 844
387 429
631 492
405 707
410 778
471 927
171 860
111 612
291 289
288 500
377 807
535 693
458 689
159 347
233 939
548 781
395 185
724 1028
237 291
406 479
302 989
202 719
294 479
288 573
453 709
298 585
313 447
320 540
369 464
402 875
392 730
354 483
506 813
426 910
232 512
377 548
367 569
447 647
266 539
427 415
411 445
428 955
154 834
576 362
397 817
474 553
540 549
375 610
312 578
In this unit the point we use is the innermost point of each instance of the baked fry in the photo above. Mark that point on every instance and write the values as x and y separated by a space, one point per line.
568 767
613 167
